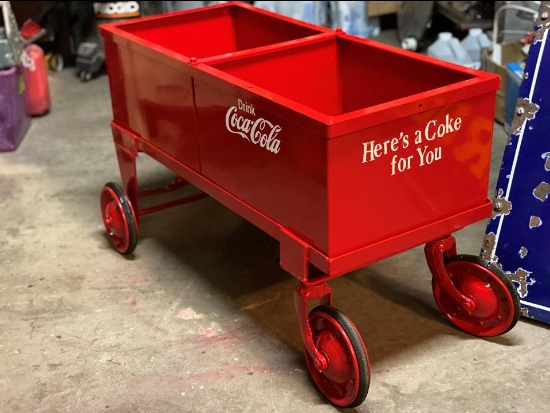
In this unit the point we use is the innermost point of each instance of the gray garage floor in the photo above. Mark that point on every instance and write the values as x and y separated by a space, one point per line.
201 318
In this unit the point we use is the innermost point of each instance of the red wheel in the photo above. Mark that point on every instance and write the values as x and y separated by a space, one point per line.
497 303
345 382
119 218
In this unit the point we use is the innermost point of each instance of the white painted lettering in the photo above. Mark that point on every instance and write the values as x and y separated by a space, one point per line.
260 132
427 156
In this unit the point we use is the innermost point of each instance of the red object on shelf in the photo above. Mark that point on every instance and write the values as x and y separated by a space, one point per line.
31 30
35 74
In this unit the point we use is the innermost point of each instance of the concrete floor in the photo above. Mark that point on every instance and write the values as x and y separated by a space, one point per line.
201 318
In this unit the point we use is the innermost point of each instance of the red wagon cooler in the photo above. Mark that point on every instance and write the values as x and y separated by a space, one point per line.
345 150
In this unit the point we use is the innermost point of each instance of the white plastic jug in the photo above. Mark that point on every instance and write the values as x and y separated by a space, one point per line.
474 42
315 12
448 48
351 17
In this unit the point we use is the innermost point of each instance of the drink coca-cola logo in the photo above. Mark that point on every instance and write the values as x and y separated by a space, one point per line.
258 131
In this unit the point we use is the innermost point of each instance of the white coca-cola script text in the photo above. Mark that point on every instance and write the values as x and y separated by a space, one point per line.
259 131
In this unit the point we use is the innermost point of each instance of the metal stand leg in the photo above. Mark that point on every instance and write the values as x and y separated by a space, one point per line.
126 151
302 295
436 252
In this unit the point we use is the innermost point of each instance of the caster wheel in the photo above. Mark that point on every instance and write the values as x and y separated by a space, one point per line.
56 62
345 382
84 76
497 304
119 218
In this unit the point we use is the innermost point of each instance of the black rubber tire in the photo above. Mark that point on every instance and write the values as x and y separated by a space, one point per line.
501 275
128 213
358 348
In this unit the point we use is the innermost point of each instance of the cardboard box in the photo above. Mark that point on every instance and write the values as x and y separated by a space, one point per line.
511 52
514 77
379 8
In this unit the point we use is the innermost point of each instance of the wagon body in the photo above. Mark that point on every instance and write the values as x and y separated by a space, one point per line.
345 150
355 148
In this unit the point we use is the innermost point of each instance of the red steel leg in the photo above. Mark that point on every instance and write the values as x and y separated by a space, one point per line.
127 152
303 294
436 252
128 174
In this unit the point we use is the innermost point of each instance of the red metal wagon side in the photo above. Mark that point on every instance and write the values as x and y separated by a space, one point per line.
345 150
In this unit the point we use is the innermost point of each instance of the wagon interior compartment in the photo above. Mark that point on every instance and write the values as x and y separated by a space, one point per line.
339 75
218 30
